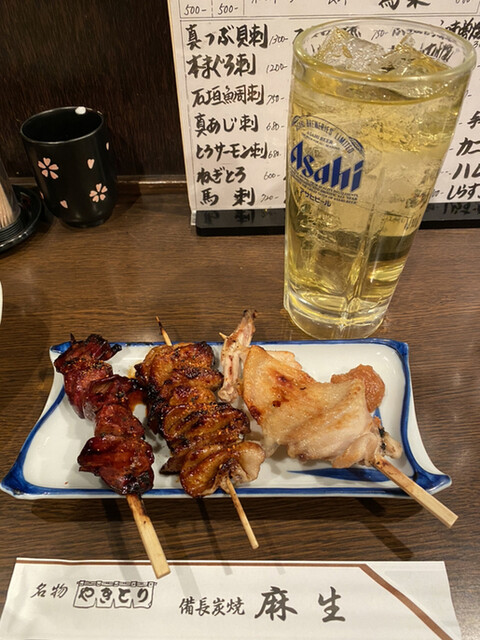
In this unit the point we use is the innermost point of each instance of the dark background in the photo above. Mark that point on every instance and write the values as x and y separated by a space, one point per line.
111 55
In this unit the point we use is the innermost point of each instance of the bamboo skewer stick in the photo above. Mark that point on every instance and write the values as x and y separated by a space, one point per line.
227 483
230 489
165 335
148 535
425 499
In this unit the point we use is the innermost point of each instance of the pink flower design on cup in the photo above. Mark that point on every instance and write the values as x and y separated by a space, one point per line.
48 169
98 193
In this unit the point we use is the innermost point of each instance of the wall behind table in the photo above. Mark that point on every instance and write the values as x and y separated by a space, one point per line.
112 55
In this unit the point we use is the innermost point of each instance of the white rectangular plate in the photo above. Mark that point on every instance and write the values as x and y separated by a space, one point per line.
47 463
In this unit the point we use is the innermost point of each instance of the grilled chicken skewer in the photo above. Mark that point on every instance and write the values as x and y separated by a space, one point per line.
117 452
205 437
321 421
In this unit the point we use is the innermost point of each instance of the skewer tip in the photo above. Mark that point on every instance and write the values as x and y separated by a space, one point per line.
148 535
415 491
165 335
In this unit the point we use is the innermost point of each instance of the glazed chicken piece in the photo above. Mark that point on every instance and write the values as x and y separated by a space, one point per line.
205 437
207 468
188 428
112 390
79 376
160 362
124 463
314 420
83 363
181 375
93 348
117 420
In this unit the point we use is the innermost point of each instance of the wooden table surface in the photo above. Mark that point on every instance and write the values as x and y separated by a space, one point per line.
147 261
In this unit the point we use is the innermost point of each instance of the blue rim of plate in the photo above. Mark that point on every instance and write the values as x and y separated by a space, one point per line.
15 484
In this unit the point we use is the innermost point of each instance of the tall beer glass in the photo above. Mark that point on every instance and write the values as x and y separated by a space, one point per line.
373 107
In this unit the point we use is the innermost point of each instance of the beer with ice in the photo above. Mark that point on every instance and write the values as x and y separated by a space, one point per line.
373 107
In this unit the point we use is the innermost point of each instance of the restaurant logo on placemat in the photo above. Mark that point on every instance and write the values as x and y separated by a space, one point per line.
105 594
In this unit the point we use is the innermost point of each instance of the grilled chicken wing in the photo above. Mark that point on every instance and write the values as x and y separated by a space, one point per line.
314 420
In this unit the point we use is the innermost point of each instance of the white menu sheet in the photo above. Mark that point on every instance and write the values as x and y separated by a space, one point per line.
233 62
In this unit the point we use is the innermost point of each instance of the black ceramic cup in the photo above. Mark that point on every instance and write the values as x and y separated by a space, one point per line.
69 151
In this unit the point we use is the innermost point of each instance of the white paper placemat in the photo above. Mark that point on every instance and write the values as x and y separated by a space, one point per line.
102 599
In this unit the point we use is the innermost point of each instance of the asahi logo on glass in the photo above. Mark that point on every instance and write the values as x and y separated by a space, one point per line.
325 161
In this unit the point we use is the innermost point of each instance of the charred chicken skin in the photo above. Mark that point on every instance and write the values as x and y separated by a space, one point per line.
117 452
205 437
328 421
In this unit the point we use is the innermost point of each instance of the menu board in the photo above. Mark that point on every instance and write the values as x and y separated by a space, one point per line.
233 63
